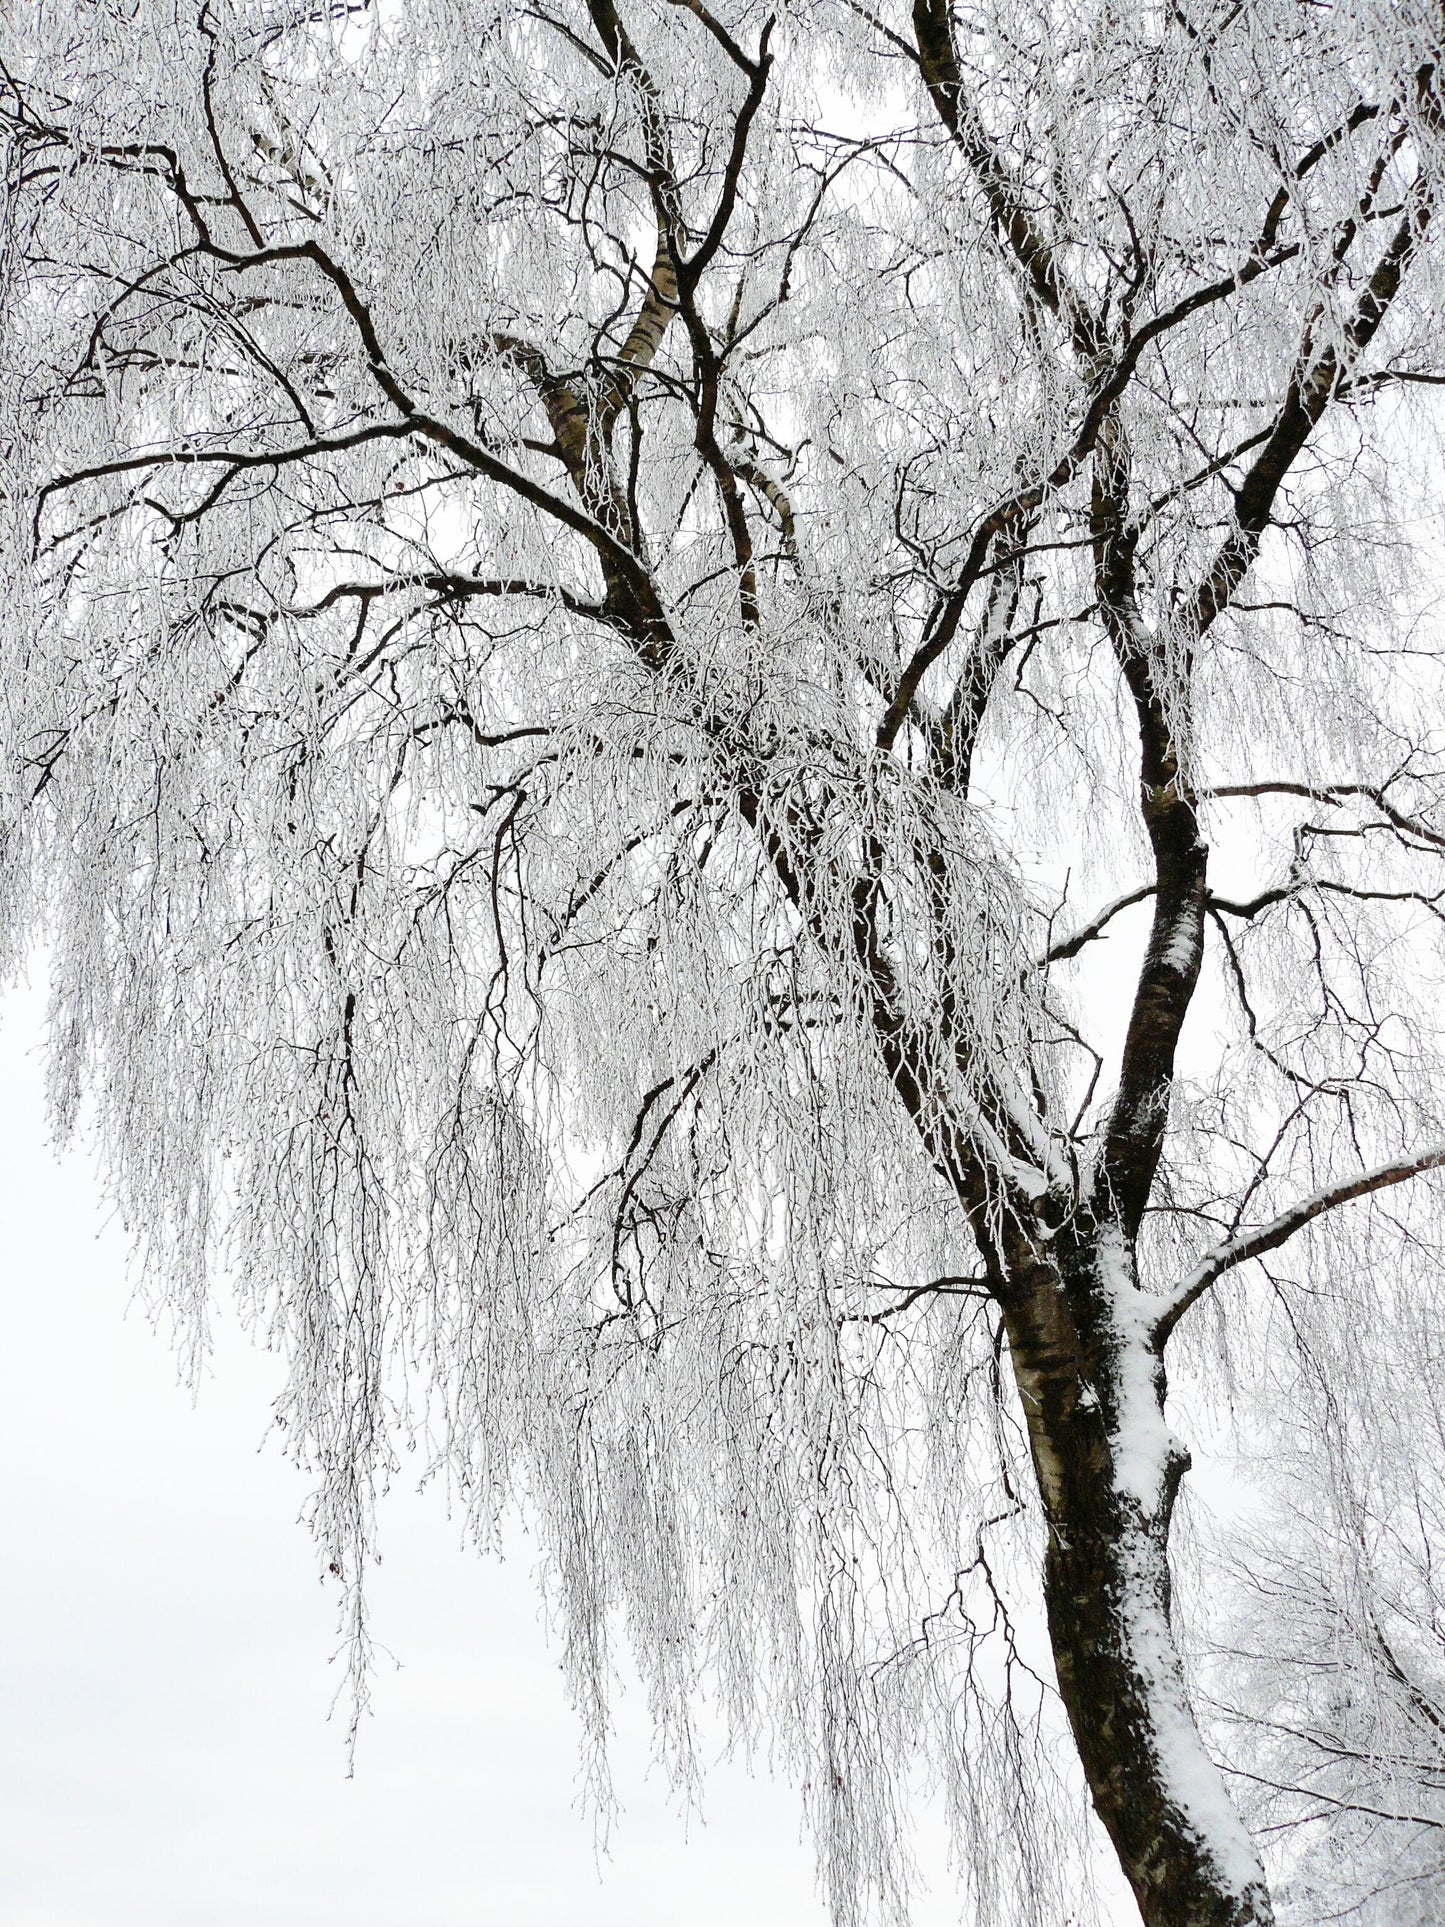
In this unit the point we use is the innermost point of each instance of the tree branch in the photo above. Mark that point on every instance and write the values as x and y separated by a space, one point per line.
1268 1237
1086 933
938 63
1333 793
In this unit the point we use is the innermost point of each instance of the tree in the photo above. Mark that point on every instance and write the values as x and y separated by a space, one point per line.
614 605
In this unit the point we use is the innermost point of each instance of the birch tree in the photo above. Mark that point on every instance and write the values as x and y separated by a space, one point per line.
630 626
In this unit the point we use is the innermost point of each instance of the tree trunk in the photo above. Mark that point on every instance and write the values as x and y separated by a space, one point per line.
1092 1384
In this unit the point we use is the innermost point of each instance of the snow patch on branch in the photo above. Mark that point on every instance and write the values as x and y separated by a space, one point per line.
1141 1443
1182 948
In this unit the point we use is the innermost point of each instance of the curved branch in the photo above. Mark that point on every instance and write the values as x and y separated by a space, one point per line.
1269 1237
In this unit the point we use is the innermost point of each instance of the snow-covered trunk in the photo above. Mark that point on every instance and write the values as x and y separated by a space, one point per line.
1092 1384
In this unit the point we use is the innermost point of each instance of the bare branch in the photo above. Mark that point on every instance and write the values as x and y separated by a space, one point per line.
1086 933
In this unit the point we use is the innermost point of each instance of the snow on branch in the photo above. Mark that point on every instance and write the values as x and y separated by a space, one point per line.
1269 1237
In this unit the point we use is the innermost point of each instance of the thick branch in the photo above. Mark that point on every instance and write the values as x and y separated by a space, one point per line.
1134 1135
938 63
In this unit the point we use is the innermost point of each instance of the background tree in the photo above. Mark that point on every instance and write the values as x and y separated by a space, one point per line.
609 608
1326 1681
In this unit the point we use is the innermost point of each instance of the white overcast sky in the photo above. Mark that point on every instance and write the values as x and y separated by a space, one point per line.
165 1754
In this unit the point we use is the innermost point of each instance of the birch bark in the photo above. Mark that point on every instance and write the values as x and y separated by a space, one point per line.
1091 1377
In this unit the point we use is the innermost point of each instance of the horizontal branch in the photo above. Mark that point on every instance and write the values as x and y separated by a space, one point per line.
946 1287
1269 1237
234 458
1299 885
1331 793
449 585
